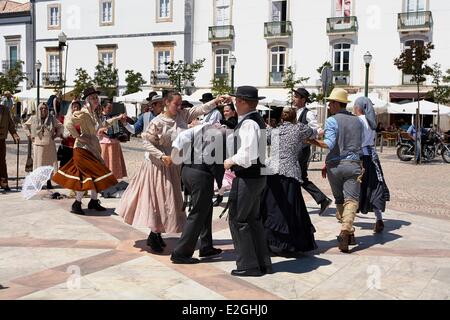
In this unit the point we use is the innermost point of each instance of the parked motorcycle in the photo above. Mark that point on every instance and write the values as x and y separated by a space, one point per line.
433 146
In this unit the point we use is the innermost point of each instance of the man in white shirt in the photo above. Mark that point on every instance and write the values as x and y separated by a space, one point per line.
305 116
247 230
214 116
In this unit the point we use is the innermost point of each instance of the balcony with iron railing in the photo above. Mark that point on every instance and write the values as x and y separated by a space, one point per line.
415 21
221 33
276 78
341 78
221 76
342 25
277 29
159 78
9 64
50 79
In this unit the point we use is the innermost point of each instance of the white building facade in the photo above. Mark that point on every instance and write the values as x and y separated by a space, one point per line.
267 36
16 38
138 35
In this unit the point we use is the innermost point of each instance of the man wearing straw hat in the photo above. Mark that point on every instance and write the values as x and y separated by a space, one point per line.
343 137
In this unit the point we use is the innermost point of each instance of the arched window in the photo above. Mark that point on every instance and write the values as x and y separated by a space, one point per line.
222 57
277 64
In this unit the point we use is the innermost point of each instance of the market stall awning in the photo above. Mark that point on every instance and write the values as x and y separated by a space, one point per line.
31 94
426 108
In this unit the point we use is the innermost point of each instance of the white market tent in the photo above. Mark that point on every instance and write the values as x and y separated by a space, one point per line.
136 97
31 94
426 108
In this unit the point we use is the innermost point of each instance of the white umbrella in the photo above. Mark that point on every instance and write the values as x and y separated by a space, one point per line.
262 108
35 181
136 97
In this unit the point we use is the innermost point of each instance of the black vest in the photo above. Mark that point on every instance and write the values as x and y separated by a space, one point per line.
302 118
254 171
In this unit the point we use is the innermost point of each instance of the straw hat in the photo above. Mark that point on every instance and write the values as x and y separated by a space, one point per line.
339 95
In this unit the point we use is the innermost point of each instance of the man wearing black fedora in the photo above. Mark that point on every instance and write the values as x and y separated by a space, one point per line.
214 116
247 230
305 116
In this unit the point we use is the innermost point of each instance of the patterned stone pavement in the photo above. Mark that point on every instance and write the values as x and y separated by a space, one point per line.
48 253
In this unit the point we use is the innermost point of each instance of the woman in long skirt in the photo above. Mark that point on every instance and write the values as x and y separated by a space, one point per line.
111 150
374 191
153 198
286 219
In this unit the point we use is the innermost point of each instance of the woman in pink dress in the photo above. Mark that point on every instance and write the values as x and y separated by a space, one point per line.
111 150
153 198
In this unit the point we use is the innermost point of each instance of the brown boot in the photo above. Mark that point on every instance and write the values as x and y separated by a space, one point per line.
352 239
379 226
344 240
339 212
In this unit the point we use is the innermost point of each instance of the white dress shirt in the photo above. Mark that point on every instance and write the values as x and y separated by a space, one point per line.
249 134
213 117
368 135
310 117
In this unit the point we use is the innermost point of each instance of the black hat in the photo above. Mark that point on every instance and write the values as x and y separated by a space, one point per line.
302 92
88 91
186 104
151 95
247 93
206 97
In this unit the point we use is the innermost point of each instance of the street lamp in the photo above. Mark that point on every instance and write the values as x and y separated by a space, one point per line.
38 66
62 40
367 61
232 65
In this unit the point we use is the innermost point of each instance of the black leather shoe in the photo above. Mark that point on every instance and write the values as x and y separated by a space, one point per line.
183 260
253 272
210 253
49 185
153 242
161 241
324 205
7 189
218 201
267 270
76 208
95 204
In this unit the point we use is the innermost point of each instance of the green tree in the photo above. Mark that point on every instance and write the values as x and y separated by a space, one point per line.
413 61
134 81
82 81
10 80
440 93
220 86
182 74
106 78
290 82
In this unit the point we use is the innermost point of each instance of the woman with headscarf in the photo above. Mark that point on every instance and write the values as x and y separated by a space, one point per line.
286 219
374 191
43 128
153 198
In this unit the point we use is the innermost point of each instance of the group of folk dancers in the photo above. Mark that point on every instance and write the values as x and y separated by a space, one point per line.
266 208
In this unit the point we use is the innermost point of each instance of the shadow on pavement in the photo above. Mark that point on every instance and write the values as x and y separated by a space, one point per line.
299 265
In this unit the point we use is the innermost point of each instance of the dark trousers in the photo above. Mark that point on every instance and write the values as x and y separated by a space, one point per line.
3 169
200 185
246 226
309 186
